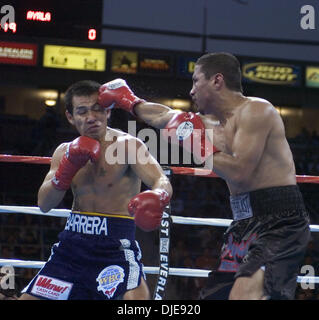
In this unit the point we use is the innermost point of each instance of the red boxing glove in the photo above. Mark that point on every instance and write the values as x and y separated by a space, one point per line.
78 152
187 129
117 94
147 207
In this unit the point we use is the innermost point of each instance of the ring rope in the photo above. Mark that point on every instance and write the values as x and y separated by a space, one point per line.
175 170
61 213
64 213
150 270
182 272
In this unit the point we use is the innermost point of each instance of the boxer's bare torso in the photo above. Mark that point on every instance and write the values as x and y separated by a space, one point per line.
105 186
274 164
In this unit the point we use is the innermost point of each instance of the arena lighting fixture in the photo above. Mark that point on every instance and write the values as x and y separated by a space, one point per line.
289 111
180 104
50 102
297 112
47 94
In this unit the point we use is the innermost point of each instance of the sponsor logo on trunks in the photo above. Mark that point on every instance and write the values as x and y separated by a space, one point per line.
51 288
86 224
233 253
109 278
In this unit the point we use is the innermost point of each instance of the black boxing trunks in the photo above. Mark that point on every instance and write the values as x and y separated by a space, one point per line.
96 258
270 230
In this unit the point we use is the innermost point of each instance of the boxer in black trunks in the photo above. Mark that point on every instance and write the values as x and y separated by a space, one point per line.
97 256
243 140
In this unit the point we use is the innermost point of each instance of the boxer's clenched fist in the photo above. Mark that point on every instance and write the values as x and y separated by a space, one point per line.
117 94
147 208
78 153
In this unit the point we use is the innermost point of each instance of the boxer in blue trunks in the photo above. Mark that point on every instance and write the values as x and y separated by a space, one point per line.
97 256
243 140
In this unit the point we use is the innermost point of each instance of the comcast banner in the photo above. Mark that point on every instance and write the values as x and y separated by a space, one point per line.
77 58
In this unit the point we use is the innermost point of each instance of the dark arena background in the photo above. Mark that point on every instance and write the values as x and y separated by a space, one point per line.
153 46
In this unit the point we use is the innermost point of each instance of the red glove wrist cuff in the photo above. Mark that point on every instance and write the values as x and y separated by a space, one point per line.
64 175
131 103
164 197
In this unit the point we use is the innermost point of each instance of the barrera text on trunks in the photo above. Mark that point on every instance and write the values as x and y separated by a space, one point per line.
86 224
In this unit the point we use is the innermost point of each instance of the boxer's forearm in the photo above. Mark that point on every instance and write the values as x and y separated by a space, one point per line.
163 183
49 197
154 114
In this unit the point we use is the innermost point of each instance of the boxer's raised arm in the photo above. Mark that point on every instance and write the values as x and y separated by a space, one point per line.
154 114
48 195
117 94
67 160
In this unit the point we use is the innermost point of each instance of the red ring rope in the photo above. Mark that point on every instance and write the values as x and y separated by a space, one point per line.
25 159
176 170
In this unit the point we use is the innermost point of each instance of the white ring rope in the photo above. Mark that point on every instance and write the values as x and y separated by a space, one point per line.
186 272
150 270
64 213
183 272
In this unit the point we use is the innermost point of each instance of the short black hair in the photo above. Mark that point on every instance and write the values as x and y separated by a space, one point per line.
224 63
80 88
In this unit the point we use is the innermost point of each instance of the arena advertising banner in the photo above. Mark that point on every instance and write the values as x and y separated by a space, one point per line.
150 63
18 53
124 61
312 76
271 73
185 66
76 58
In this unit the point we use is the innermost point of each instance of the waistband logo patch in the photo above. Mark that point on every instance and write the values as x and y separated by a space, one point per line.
241 207
109 278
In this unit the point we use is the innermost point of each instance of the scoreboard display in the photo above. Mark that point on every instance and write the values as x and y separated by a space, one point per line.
78 20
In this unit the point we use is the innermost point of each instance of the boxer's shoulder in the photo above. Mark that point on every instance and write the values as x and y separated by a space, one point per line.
254 104
255 109
59 151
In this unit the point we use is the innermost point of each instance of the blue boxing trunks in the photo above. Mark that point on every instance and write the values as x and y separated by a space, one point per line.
270 230
96 258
